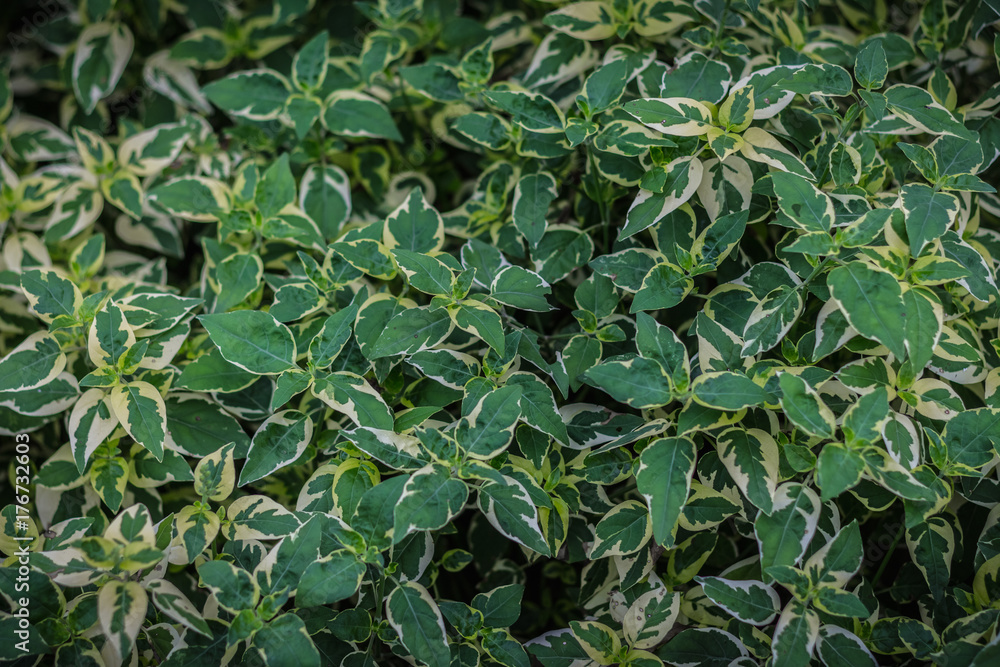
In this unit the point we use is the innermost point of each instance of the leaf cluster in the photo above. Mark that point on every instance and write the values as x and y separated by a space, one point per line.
638 332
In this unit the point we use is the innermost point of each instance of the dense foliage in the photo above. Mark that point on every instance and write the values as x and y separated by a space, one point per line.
605 332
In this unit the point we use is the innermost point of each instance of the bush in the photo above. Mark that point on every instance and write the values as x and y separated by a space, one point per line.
631 332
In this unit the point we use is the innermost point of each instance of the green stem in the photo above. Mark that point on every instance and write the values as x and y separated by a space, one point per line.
816 271
840 135
885 558
720 28
406 98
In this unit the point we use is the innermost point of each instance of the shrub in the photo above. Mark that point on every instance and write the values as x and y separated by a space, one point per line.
627 332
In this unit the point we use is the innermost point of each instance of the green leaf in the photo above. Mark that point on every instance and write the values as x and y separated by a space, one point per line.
520 288
36 362
310 65
561 250
623 531
257 94
917 107
481 321
973 436
932 546
840 603
368 256
538 406
252 340
430 500
331 339
871 66
599 641
748 601
110 335
666 467
583 20
194 198
423 272
839 648
336 577
638 382
532 111
413 330
435 80
839 559
285 641
325 196
872 301
351 395
659 343
124 191
278 441
532 197
500 607
675 184
276 188
838 469
864 420
450 368
729 391
415 225
175 605
772 318
736 113
354 114
99 60
928 214
415 617
238 276
807 206
711 647
606 85
49 294
804 407
510 510
121 609
795 635
785 534
487 430
141 411
751 458
664 286
198 426
215 475
676 116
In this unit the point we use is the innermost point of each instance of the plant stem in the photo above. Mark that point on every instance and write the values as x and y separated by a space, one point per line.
885 558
